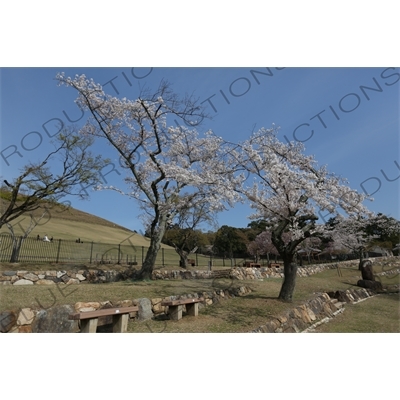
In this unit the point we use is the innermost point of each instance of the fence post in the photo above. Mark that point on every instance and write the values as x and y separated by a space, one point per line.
142 254
162 253
58 250
119 253
91 253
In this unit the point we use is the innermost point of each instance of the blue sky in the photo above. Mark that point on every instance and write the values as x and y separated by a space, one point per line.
348 118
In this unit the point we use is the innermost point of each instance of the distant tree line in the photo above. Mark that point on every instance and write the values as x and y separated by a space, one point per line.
254 241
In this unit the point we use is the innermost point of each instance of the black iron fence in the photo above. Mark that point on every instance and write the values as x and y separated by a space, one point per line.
36 250
32 249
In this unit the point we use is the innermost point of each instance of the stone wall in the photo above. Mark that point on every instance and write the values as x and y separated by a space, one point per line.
62 277
381 265
318 310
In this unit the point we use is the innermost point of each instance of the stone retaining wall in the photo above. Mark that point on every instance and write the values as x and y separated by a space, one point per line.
381 265
62 277
318 310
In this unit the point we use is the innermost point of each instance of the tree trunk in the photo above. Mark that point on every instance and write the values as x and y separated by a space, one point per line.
17 243
151 255
289 280
183 257
183 262
150 259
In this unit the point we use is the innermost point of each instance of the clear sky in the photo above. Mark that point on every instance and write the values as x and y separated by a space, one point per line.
348 118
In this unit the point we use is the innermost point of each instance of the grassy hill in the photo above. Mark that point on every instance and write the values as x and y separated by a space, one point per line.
71 224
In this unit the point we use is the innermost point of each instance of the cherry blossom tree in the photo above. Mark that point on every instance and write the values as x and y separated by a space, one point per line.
169 166
262 245
356 233
287 188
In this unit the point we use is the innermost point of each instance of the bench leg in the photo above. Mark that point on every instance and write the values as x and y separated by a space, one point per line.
192 309
175 312
89 325
120 323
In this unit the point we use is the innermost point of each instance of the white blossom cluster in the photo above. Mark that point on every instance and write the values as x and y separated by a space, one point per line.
172 167
287 188
168 167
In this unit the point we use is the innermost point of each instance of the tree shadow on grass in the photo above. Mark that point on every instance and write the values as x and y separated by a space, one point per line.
261 296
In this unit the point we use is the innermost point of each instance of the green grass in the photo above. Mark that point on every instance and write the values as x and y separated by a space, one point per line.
70 224
380 314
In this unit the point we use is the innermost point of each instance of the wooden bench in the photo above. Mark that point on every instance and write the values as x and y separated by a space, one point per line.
276 265
175 307
252 265
120 316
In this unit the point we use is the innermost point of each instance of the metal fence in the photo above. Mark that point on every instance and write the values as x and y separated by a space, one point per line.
35 250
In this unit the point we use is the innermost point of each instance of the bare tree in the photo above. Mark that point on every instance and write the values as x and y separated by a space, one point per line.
62 172
184 234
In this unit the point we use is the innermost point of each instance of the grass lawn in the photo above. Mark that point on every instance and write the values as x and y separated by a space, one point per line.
380 314
240 314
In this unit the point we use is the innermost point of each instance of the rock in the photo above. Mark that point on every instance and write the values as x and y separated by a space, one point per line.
9 273
73 280
23 282
368 284
107 304
55 320
157 307
41 276
45 282
145 309
80 277
7 320
21 273
89 306
367 271
25 329
31 277
124 303
25 317
311 314
60 273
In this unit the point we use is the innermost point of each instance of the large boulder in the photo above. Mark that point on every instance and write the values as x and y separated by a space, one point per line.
55 320
368 284
367 271
145 309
